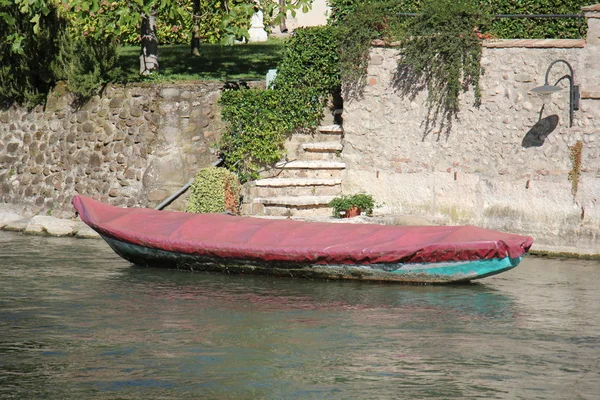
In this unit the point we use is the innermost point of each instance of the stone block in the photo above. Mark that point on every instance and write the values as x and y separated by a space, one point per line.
82 116
52 226
7 217
12 147
172 94
85 232
157 195
88 127
116 102
18 225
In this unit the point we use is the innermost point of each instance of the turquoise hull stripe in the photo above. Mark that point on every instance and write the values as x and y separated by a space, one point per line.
468 269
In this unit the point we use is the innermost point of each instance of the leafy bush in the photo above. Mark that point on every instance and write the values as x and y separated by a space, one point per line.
362 24
569 28
310 59
214 190
341 205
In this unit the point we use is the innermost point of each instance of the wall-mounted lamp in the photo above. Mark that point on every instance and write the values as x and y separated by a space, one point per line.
547 90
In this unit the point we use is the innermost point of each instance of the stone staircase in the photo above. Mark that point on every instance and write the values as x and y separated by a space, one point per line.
305 182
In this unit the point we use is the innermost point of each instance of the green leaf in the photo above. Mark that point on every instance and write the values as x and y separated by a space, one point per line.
36 23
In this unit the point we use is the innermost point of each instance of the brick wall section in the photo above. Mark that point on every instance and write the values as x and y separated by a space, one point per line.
132 146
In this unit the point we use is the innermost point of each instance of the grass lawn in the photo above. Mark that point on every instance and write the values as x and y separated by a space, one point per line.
216 62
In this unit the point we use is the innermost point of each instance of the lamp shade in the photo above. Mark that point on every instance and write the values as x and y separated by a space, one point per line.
546 89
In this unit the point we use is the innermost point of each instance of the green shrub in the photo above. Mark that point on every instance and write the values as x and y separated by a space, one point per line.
505 28
441 52
311 59
85 63
214 190
342 204
56 52
25 74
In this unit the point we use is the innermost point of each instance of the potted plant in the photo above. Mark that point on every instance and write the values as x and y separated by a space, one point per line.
351 206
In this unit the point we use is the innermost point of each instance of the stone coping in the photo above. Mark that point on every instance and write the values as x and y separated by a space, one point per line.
511 43
535 43
591 94
593 7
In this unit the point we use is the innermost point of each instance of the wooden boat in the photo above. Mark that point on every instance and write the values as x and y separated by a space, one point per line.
233 244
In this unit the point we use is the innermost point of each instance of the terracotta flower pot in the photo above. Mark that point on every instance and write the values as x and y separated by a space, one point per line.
352 212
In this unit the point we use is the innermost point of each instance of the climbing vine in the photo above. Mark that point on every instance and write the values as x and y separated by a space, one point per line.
575 172
441 52
259 120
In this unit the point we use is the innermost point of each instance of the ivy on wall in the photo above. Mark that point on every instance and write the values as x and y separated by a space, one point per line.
259 120
575 156
441 52
440 47
502 28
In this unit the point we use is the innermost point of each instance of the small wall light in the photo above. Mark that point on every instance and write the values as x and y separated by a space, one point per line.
547 90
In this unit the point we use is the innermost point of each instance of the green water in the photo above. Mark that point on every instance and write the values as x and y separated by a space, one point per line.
77 322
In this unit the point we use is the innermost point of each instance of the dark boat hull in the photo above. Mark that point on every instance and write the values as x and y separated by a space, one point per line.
421 273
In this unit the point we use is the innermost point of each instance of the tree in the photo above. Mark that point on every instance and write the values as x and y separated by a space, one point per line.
27 51
229 17
102 19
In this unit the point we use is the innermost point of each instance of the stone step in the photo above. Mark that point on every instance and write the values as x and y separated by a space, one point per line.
316 164
291 206
323 147
288 187
284 182
331 129
296 201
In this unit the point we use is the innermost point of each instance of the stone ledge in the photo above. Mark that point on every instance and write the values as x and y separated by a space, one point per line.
534 43
281 182
593 7
511 43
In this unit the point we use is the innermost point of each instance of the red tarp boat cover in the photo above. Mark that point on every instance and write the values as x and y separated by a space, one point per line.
247 238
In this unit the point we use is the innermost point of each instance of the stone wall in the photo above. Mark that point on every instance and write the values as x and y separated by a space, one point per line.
505 165
131 146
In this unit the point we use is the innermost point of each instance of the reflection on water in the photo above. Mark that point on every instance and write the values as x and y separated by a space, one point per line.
78 322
